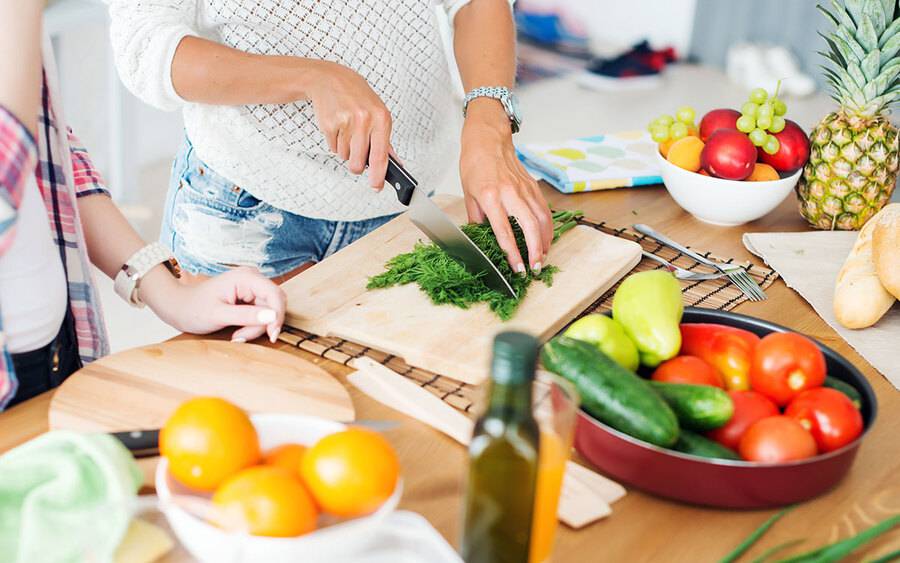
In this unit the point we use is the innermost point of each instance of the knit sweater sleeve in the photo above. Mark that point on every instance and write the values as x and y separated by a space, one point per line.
144 36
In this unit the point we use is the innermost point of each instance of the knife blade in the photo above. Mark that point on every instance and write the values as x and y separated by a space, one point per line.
437 226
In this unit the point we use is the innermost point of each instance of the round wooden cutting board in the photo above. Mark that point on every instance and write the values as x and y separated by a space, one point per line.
139 388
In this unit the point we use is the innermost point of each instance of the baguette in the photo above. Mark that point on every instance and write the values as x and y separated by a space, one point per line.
886 248
859 298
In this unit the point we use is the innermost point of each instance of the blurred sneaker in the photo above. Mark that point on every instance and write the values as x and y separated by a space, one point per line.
761 66
783 64
637 69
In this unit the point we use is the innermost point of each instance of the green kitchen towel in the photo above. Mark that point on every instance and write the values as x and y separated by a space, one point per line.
64 497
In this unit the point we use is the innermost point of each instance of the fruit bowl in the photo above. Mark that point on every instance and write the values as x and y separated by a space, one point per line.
719 482
724 202
207 542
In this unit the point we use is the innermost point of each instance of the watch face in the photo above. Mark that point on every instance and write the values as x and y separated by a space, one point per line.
514 106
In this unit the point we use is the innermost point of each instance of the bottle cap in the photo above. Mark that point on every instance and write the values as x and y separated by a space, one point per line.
515 356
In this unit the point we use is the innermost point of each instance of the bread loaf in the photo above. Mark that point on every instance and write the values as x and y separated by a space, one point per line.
886 248
859 298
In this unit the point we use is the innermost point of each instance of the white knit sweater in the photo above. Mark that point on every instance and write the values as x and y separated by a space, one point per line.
276 152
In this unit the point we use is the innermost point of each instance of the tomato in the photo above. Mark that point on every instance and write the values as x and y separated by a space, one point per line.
726 348
829 415
784 364
687 369
749 406
777 439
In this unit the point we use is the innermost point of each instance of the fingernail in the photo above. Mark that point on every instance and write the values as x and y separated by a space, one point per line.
266 316
536 268
239 340
274 336
520 269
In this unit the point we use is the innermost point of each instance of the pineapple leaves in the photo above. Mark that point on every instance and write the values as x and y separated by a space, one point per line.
856 74
871 65
855 9
873 9
889 33
866 35
842 15
828 15
839 53
891 46
851 44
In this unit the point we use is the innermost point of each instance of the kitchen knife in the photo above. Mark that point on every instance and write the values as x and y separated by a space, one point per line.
145 443
432 221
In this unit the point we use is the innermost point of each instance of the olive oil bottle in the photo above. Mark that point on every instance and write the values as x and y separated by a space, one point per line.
503 459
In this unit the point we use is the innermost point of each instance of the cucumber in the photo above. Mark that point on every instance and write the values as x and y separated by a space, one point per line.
695 444
845 388
611 393
698 407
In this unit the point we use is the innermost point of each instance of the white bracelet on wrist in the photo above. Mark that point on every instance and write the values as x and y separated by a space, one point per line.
128 280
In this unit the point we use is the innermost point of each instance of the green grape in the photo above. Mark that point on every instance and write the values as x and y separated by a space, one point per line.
749 109
746 123
779 107
659 133
771 145
678 130
778 124
758 137
765 110
663 120
764 122
685 114
758 96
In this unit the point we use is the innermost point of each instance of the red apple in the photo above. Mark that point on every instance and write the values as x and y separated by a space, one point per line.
728 154
718 119
794 150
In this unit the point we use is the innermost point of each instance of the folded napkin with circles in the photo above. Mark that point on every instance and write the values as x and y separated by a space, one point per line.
66 496
809 263
601 162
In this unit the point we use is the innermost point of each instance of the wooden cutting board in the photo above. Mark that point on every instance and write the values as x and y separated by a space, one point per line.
139 388
331 299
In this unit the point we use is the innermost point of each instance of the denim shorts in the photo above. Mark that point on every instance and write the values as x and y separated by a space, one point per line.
212 225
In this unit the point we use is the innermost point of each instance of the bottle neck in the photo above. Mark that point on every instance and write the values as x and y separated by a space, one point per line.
509 400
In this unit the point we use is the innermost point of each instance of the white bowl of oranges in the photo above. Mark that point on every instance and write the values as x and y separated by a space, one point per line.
272 487
737 166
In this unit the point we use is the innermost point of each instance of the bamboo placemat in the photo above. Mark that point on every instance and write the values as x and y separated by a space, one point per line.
710 294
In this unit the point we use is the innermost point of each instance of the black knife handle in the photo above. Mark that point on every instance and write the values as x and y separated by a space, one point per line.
141 443
399 179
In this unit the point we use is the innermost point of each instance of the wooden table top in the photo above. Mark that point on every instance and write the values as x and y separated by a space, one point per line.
644 528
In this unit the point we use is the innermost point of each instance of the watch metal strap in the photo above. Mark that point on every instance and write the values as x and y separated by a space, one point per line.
135 268
496 92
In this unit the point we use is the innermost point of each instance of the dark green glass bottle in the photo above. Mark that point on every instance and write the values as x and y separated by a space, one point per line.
503 459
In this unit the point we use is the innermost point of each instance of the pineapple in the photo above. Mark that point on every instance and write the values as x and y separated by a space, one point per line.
853 159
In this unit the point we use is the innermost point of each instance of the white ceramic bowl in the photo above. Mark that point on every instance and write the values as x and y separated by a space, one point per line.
209 543
724 202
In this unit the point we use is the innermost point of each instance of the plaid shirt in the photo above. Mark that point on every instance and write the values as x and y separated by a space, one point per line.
64 172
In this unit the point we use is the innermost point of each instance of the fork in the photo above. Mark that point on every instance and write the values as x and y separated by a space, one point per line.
681 273
736 274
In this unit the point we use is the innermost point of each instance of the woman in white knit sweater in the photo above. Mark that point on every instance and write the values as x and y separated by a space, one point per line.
287 101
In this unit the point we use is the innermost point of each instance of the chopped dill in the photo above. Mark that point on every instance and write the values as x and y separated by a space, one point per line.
446 281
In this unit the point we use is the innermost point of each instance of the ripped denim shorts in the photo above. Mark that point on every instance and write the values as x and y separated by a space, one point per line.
212 225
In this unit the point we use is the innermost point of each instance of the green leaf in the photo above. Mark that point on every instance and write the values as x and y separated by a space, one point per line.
754 536
866 34
856 74
855 9
775 549
889 33
844 34
871 65
887 6
887 557
891 46
828 15
837 551
843 15
874 10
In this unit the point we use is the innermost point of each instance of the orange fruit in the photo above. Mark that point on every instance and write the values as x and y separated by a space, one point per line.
665 146
350 473
206 440
287 456
763 173
685 153
270 501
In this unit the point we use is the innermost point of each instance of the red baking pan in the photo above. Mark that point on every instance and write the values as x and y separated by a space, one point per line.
724 483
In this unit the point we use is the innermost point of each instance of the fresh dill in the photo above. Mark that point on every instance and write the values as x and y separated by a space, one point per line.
446 281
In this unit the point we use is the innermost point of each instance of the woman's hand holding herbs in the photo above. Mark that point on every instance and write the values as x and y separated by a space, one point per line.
497 186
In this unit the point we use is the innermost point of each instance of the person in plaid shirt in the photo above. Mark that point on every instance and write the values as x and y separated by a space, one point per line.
56 218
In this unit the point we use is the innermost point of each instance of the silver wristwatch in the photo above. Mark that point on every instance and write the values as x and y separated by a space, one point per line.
128 281
509 101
